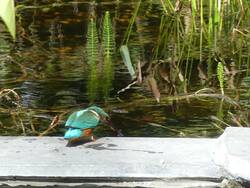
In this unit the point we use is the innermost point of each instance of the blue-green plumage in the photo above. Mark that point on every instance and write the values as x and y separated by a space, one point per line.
83 119
100 111
73 133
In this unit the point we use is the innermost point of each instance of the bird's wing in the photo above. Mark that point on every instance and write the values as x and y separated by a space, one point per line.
83 119
72 133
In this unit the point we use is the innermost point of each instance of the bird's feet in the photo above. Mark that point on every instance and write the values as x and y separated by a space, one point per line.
79 141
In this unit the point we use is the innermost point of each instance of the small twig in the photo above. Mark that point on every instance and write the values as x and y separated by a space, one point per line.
14 119
165 127
52 125
219 96
31 124
217 119
218 127
139 76
127 87
6 92
56 120
234 119
204 90
23 128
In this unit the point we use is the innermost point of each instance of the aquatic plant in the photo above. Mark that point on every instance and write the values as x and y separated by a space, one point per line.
92 46
192 35
108 46
127 60
220 76
92 57
93 83
7 13
108 39
218 29
131 23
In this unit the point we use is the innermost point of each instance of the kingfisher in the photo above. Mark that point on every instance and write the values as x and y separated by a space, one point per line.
80 125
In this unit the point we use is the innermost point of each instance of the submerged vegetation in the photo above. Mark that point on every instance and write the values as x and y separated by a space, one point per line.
192 52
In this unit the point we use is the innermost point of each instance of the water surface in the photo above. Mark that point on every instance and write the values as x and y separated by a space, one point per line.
47 67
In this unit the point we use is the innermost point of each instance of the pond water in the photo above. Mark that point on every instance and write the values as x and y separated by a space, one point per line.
47 68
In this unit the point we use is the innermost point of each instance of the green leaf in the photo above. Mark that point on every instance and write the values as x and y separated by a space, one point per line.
7 13
127 61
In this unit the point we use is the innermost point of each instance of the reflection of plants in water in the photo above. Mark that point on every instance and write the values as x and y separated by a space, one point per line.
93 58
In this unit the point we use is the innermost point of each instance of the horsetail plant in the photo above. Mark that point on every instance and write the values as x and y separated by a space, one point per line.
108 41
92 54
108 45
92 46
220 76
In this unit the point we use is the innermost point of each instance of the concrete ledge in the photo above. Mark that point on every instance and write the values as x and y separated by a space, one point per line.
173 183
126 159
232 153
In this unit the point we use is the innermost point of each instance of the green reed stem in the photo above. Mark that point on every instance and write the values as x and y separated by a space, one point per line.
201 28
131 23
194 12
93 83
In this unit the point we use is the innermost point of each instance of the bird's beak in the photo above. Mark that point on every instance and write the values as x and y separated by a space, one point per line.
109 123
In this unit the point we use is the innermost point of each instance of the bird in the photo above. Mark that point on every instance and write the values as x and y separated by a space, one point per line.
80 125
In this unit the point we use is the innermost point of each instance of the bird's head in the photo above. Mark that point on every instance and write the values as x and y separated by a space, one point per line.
105 118
103 115
98 110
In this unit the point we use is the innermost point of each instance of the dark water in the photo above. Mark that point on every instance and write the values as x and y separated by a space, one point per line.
48 69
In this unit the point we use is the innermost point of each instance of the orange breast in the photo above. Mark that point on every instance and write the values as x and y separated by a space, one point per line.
87 132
